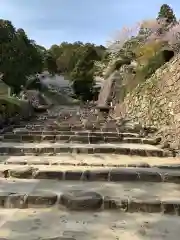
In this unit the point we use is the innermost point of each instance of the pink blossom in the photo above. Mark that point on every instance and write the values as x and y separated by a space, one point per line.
152 30
120 37
172 36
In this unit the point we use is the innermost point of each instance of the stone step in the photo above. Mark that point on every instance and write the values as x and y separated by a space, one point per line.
96 160
71 133
50 224
12 148
85 196
90 173
41 127
88 138
141 140
76 127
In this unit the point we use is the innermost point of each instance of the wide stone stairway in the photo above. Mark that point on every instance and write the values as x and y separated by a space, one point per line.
69 174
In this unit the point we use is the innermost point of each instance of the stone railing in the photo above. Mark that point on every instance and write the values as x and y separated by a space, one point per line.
106 94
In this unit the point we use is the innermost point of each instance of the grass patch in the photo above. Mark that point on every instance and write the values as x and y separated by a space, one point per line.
10 106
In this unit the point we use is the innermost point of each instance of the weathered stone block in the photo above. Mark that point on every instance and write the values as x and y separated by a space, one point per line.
77 138
173 177
25 172
45 174
41 199
150 206
170 207
101 175
79 200
3 198
15 200
124 175
109 203
104 150
73 175
149 176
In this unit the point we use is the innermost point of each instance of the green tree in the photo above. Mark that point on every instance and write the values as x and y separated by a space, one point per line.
83 74
42 52
166 13
55 51
50 64
19 56
83 83
68 54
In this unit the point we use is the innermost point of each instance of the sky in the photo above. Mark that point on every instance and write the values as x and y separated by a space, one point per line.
51 22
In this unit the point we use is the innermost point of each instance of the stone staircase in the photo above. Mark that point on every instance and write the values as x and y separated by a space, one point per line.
68 176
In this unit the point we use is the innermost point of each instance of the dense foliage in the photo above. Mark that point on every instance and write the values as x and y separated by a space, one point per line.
67 54
76 61
83 74
20 57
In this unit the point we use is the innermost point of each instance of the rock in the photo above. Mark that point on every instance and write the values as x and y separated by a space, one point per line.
79 200
3 197
40 198
22 130
15 200
22 172
150 129
166 145
132 126
158 140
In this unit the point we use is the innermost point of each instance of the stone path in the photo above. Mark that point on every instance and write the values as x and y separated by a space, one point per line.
63 225
69 176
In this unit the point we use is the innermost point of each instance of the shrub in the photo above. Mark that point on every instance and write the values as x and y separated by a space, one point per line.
153 64
9 106
148 51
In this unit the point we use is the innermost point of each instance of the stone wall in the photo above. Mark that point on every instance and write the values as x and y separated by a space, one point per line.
157 102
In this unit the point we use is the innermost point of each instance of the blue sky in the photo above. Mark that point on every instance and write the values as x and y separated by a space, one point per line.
54 21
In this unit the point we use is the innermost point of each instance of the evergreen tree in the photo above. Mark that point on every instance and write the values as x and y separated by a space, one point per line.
166 13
